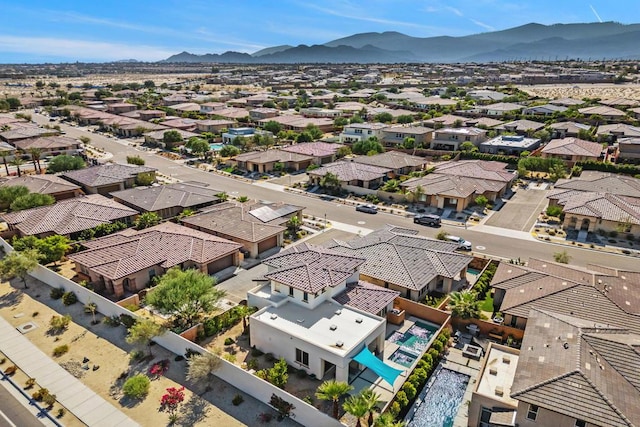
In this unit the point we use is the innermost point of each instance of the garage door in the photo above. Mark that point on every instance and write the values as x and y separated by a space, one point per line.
220 264
267 244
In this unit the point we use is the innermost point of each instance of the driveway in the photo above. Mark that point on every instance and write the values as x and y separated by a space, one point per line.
521 211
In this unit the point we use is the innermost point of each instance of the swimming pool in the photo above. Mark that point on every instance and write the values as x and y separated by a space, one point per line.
416 339
473 271
440 400
403 358
216 147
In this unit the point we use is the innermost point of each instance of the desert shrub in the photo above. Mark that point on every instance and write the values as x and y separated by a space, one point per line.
230 358
402 399
11 370
60 413
56 293
437 346
395 409
428 358
237 399
229 341
59 323
69 298
112 321
421 375
252 364
49 399
189 353
29 383
60 350
39 394
409 390
435 355
127 321
137 386
554 210
3 360
34 314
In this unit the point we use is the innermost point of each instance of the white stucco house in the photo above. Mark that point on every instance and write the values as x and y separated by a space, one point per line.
303 317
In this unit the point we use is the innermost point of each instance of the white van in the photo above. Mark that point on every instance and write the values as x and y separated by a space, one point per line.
462 244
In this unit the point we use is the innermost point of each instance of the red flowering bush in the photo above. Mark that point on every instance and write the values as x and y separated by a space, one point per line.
172 400
158 369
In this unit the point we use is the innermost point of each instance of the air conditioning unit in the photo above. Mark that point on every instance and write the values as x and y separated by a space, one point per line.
359 320
493 371
273 316
333 327
339 343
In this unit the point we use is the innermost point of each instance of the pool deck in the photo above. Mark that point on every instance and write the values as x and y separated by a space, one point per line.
455 361
368 379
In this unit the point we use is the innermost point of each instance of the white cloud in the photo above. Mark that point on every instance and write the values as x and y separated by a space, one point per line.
482 24
81 49
454 10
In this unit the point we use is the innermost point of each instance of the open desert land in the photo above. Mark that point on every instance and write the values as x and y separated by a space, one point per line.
580 91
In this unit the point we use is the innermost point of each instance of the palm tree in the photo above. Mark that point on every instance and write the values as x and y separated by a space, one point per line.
388 420
371 399
356 406
35 157
465 305
333 390
4 154
17 162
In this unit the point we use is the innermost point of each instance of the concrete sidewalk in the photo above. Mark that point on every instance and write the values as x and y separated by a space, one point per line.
79 399
497 231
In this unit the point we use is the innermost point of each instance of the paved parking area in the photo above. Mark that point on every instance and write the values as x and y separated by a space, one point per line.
521 211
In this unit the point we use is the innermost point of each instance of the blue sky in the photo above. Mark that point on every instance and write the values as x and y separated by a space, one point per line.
105 30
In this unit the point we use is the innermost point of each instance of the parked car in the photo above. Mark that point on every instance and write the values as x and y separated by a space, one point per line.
430 220
462 244
370 209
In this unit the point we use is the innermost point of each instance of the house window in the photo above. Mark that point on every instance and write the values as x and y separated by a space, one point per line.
581 423
302 357
290 291
358 131
532 413
305 297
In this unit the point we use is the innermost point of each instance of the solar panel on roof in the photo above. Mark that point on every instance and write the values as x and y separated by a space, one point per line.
266 213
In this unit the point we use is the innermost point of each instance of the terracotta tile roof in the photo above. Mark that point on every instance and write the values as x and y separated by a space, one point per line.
273 155
452 186
580 369
602 182
407 260
572 147
311 268
51 143
349 171
620 129
167 245
236 220
43 184
609 207
494 171
97 176
150 199
366 297
392 159
602 111
521 125
69 216
315 149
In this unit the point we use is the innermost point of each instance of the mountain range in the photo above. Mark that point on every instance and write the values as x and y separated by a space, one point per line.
600 40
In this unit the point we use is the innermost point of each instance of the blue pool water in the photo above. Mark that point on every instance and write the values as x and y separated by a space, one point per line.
216 147
416 339
403 358
473 271
441 401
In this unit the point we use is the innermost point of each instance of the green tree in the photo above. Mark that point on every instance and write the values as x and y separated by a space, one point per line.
405 119
273 127
468 146
356 406
222 196
51 248
465 305
314 131
145 178
481 200
19 264
278 374
135 160
557 172
149 84
4 154
146 220
198 146
371 399
293 225
143 332
35 158
562 257
367 145
383 118
171 138
200 367
64 162
391 186
31 200
186 295
332 391
388 420
10 193
17 162
331 183
14 103
229 151
304 137
340 122
343 152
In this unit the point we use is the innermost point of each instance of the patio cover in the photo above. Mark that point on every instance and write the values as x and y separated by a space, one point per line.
386 372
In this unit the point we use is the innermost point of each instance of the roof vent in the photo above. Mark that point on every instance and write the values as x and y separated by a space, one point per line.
339 343
493 371
507 360
333 327
338 312
273 316
565 345
358 319
300 320
499 391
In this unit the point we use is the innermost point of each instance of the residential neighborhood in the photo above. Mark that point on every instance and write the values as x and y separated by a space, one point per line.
290 243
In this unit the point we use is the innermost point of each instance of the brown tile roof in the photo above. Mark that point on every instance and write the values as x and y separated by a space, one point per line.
366 297
572 147
452 186
51 143
521 125
311 268
580 369
315 149
43 184
273 155
167 244
151 199
349 171
236 220
602 182
407 260
392 159
601 110
69 216
494 171
97 176
609 207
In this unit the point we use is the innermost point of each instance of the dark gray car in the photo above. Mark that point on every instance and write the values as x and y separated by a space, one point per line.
430 220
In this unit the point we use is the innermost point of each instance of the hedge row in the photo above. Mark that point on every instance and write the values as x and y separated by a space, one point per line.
420 375
609 167
482 285
224 321
474 155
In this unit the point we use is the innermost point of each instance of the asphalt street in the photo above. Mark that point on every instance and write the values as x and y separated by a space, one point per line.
483 242
13 414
